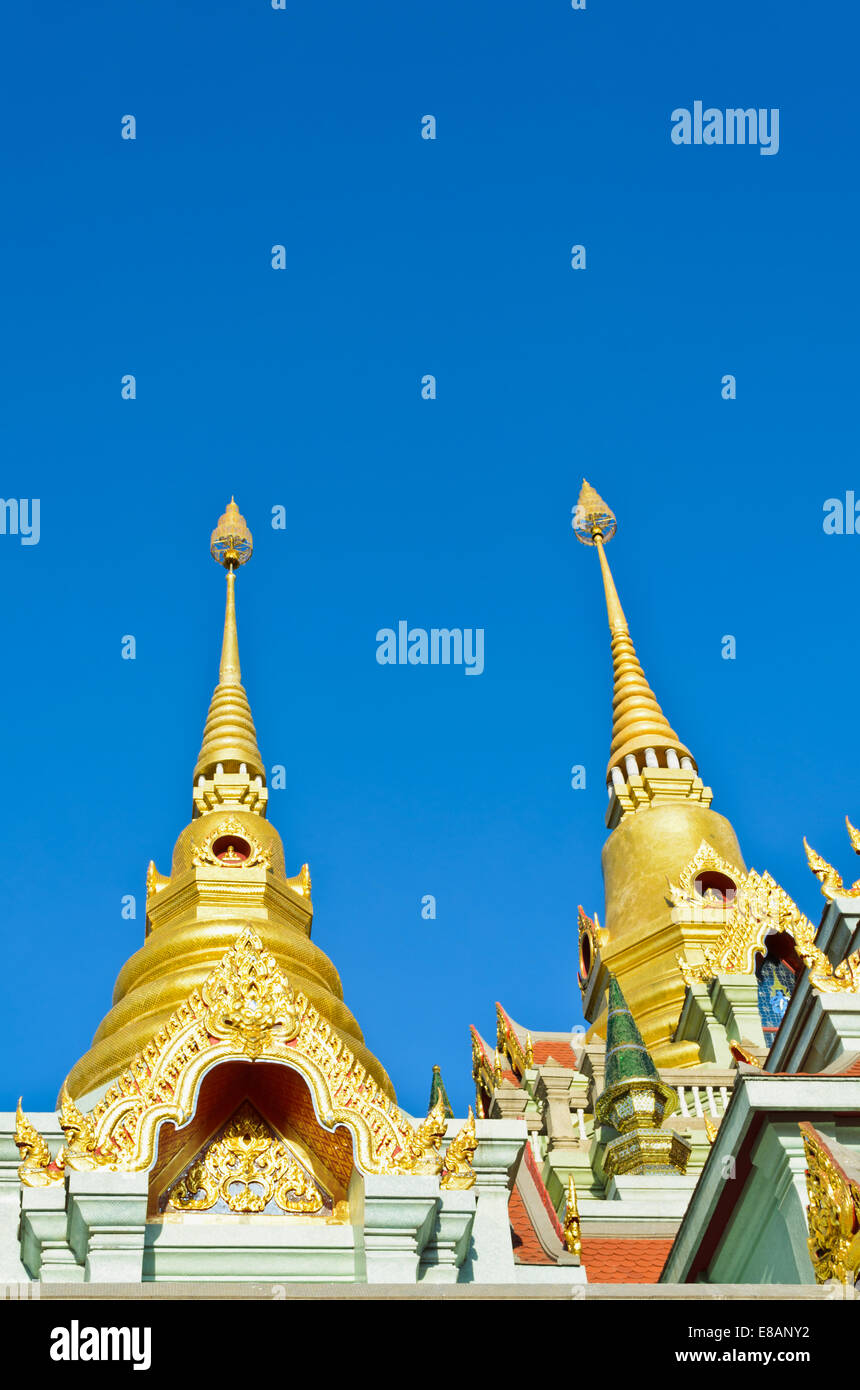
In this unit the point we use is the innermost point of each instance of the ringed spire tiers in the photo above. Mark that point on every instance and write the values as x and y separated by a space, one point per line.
229 737
641 734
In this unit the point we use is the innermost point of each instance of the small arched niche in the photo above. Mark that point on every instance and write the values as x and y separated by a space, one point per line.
254 1135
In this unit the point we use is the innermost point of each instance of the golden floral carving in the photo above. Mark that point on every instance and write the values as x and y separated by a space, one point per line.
832 1214
247 1168
459 1173
251 1002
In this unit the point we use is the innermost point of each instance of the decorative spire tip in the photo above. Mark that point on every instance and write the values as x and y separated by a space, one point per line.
231 543
593 521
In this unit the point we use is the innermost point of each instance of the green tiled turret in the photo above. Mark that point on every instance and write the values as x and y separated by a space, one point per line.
437 1089
634 1100
627 1057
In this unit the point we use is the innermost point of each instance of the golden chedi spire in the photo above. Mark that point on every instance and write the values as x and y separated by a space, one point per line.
658 814
639 726
229 738
228 873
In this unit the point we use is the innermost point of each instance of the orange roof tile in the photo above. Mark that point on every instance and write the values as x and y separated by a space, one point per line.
627 1260
531 1164
527 1248
562 1052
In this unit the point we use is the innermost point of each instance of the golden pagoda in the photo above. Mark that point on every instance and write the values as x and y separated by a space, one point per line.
228 872
659 814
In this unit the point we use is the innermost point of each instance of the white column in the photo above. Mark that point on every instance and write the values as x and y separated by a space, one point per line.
491 1258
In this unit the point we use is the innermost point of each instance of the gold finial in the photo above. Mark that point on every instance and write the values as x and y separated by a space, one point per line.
229 738
572 1228
638 722
497 1068
231 543
592 519
829 878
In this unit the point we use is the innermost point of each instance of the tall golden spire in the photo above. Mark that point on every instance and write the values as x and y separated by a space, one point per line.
227 871
659 814
229 738
641 732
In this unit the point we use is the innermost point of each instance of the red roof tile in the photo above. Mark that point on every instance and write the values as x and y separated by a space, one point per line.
542 1192
562 1052
631 1260
527 1248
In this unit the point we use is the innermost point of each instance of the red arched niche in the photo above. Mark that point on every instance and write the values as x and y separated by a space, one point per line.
282 1097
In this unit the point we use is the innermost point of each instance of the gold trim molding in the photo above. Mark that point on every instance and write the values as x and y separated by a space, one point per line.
509 1045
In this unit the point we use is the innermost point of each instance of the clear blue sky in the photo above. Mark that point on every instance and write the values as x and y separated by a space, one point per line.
301 388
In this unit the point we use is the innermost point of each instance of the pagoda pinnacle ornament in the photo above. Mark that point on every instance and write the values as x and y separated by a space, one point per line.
231 543
229 738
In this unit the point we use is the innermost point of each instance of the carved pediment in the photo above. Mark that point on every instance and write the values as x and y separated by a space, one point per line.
754 907
246 1168
246 1009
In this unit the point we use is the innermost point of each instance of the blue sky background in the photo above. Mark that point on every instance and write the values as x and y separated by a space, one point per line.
301 388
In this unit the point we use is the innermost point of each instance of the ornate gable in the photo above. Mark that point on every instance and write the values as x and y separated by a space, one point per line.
753 908
246 1009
